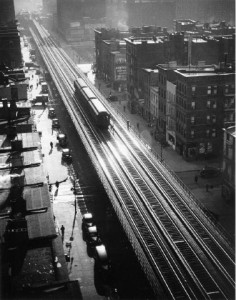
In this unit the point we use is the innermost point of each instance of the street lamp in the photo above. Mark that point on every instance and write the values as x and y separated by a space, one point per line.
74 192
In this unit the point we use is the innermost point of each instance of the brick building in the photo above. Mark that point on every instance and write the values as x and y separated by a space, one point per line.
201 99
118 68
184 25
149 78
228 188
154 105
141 53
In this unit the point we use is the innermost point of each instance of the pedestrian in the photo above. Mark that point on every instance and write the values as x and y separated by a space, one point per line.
196 178
57 184
138 126
124 108
62 230
51 144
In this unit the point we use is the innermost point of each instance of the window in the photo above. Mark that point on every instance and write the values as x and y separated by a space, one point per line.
214 119
193 89
208 90
213 132
208 104
192 133
209 147
193 105
208 118
215 89
214 104
226 89
192 120
207 132
230 153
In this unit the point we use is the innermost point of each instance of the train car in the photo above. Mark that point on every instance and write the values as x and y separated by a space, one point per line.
79 84
92 104
99 113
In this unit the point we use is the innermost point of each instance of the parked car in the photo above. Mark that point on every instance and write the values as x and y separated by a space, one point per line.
210 172
87 221
55 123
101 258
62 139
51 112
66 154
113 98
91 236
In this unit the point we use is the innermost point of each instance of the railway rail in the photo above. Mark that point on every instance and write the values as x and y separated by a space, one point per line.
181 252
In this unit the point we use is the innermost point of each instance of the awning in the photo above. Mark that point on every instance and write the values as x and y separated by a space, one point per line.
36 197
41 225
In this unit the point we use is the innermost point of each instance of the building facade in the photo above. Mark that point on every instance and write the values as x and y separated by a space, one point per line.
228 188
149 78
141 53
201 96
171 114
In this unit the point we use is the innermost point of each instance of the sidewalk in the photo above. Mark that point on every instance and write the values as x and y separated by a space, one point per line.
80 267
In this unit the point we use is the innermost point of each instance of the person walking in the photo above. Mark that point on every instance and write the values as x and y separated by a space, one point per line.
196 178
62 230
51 145
57 184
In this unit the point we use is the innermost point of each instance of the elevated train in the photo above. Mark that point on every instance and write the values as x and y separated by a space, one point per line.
92 104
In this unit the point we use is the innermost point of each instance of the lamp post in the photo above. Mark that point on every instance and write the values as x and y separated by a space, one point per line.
74 192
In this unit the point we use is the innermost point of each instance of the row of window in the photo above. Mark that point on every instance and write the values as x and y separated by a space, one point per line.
208 119
182 102
210 89
182 117
208 132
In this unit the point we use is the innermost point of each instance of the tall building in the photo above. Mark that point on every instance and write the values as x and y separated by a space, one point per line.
206 10
7 11
10 50
77 17
203 108
141 53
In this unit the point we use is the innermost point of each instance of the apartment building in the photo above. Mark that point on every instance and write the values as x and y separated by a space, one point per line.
201 99
228 187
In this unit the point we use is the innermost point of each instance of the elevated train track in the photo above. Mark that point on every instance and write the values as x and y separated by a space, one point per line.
182 253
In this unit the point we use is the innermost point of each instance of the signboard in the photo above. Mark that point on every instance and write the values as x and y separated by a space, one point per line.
120 73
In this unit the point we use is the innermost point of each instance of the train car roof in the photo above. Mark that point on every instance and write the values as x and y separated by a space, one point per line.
98 106
88 93
81 83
